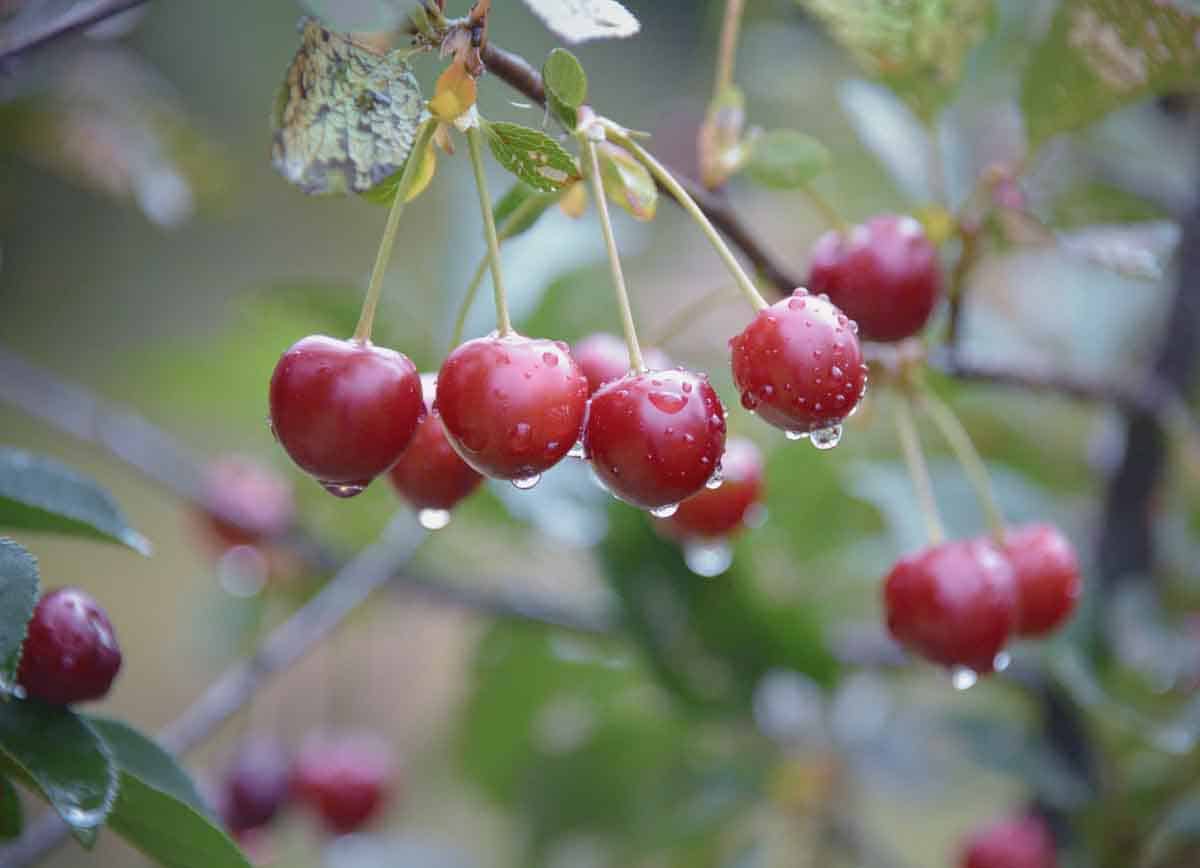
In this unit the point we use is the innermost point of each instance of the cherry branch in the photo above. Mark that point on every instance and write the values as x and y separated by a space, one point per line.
28 29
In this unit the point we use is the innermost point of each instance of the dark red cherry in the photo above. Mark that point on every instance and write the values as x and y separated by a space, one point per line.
70 652
883 274
719 512
1020 842
1047 573
655 438
344 778
344 410
430 474
512 406
245 502
798 365
953 603
603 358
256 784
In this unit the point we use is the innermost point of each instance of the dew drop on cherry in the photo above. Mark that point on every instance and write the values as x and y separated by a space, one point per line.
343 491
433 519
527 482
826 438
665 511
708 559
963 677
795 435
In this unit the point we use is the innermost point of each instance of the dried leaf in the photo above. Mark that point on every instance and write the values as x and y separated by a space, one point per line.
580 20
455 93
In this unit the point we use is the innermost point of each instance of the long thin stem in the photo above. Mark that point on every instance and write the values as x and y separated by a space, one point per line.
825 209
664 177
918 470
690 312
727 52
475 146
614 258
968 456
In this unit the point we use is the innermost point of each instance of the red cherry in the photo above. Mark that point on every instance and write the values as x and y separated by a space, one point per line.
603 358
430 475
799 366
1048 581
70 652
344 410
718 512
655 438
1020 842
345 779
512 406
245 502
884 274
256 785
954 603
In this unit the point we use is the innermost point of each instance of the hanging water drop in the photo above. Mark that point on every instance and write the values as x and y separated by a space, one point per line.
433 519
527 482
577 451
718 477
827 438
344 490
796 435
665 511
708 559
963 677
1002 661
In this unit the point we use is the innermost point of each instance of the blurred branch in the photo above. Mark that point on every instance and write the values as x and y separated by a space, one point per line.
30 29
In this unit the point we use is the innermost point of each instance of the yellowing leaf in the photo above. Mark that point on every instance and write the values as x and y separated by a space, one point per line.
720 145
532 156
627 182
574 201
580 20
455 93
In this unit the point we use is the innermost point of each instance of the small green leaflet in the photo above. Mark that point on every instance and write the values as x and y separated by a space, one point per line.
627 182
519 209
345 117
532 156
18 595
786 159
580 20
566 85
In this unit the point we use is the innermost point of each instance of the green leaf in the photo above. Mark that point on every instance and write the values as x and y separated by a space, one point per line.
11 816
18 596
581 20
627 182
158 809
918 48
1096 202
1102 54
63 759
37 493
566 84
532 156
786 160
519 209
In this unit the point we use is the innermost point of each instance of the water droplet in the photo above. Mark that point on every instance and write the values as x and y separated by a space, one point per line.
550 359
749 401
836 372
795 435
668 402
433 519
1001 661
800 290
577 451
963 677
827 438
665 511
717 479
527 482
824 296
81 818
686 386
796 303
344 490
708 559
520 437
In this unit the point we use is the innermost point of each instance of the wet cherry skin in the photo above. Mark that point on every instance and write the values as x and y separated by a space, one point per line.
603 358
345 778
719 512
1047 574
70 652
245 503
1019 842
430 474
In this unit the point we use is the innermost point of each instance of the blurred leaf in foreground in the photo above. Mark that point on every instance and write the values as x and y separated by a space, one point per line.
580 20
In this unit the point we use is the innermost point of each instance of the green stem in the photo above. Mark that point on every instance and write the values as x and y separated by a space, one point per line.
825 208
727 53
918 470
964 450
659 171
614 259
475 146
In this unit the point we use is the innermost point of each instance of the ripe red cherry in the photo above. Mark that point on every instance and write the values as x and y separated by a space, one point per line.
1020 842
344 410
512 406
799 366
245 502
256 785
1047 573
70 652
430 475
345 779
884 274
719 512
603 358
655 438
954 603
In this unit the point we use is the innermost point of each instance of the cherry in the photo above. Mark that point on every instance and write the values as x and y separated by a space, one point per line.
655 438
344 410
430 474
954 603
344 778
256 785
245 502
718 512
1020 842
512 406
603 358
884 274
799 366
70 652
1047 572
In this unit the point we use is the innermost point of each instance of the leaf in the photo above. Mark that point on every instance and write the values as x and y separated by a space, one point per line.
918 48
786 160
518 210
566 84
384 192
348 116
721 146
627 182
40 494
1095 202
454 94
11 815
18 596
580 20
890 130
63 759
158 809
1102 54
532 156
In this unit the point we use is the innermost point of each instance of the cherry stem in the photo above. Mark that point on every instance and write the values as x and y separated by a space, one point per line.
727 52
918 469
636 362
475 146
366 319
964 450
825 208
659 171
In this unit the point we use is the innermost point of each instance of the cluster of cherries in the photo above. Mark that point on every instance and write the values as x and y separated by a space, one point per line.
70 653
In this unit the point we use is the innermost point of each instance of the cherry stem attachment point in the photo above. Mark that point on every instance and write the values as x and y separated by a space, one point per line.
475 146
664 177
918 469
727 52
